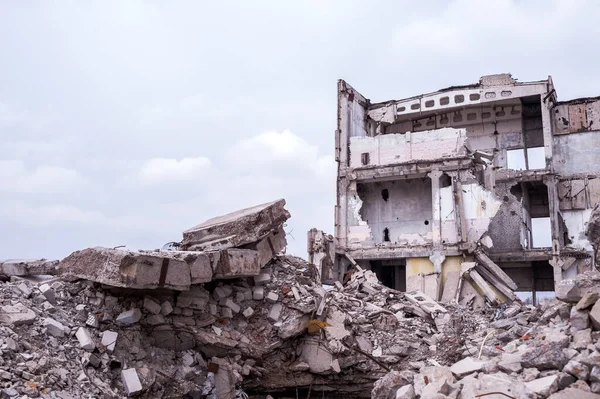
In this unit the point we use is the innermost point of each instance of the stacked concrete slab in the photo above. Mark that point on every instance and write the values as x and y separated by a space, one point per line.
235 245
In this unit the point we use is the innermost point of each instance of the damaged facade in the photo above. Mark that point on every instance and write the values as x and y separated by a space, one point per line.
498 169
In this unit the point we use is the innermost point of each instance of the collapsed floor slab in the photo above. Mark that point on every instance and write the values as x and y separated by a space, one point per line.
236 229
176 270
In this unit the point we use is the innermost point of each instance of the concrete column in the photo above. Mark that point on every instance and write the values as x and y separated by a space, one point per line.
436 223
547 132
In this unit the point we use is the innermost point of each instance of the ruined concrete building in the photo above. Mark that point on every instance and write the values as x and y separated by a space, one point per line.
499 171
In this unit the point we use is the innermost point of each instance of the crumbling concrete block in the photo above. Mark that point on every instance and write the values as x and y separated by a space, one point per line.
196 298
272 297
270 246
151 306
235 263
85 339
48 292
275 312
467 366
231 305
137 269
222 292
28 267
166 308
579 319
131 381
262 278
54 327
24 290
258 293
226 313
248 312
109 340
595 316
316 355
235 229
130 316
155 319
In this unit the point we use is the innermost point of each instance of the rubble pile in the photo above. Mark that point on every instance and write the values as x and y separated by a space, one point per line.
552 350
227 315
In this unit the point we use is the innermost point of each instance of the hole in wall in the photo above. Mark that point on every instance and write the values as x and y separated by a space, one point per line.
505 198
415 106
385 194
459 98
444 100
517 191
426 223
474 97
429 103
445 181
386 234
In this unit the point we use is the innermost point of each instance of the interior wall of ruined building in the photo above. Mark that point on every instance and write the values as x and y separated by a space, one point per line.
514 210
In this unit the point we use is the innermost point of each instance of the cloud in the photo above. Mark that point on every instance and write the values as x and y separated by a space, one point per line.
43 179
160 170
273 149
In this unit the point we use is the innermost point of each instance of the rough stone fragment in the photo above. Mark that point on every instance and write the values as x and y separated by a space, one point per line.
272 297
232 305
28 267
391 383
109 340
582 338
275 312
316 356
577 369
270 246
573 393
466 366
258 293
131 381
235 263
573 290
54 327
595 316
24 290
155 319
17 314
543 386
196 298
546 357
587 300
579 319
48 292
248 312
405 392
595 374
151 306
166 308
238 228
226 313
262 278
85 339
130 316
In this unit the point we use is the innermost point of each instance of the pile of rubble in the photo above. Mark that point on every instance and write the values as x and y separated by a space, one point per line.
528 352
227 315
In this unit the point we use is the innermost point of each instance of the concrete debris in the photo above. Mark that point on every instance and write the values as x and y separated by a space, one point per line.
28 267
238 228
274 328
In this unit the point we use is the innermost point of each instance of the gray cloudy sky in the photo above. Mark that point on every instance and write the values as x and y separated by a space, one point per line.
127 122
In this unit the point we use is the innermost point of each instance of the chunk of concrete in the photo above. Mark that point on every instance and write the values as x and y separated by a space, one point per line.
166 308
85 339
577 369
573 393
235 263
130 316
28 267
424 302
109 340
131 381
152 306
258 293
54 327
587 300
24 289
275 312
262 278
595 315
316 355
270 246
272 297
133 269
451 286
238 228
235 308
248 312
467 366
196 298
544 386
573 290
16 315
580 319
48 292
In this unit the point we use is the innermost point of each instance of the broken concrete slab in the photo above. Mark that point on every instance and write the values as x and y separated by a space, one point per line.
587 300
131 269
317 356
467 366
424 302
543 386
54 328
30 267
451 286
595 316
238 228
573 290
109 340
493 268
17 314
270 246
573 393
